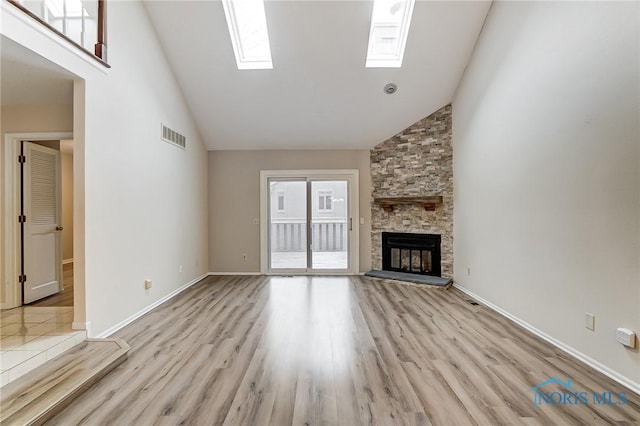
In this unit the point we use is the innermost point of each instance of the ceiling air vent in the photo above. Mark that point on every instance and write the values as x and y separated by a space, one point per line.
173 137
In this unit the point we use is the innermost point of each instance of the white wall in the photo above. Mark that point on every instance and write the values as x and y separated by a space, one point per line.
234 200
546 172
140 204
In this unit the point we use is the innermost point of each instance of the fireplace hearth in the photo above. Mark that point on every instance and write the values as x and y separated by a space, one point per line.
411 253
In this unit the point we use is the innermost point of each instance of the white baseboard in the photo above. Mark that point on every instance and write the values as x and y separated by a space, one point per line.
596 365
233 273
324 274
67 261
154 305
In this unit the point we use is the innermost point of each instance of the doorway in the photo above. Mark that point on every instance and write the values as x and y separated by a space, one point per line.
32 246
309 222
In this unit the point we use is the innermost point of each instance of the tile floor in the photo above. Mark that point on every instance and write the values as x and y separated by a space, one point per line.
32 335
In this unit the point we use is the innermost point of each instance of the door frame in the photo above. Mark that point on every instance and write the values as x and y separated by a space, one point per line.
354 213
12 244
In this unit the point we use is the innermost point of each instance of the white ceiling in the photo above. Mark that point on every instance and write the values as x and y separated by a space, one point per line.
319 94
27 79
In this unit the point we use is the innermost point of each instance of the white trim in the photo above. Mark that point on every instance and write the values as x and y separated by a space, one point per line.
353 178
596 365
11 196
67 261
152 306
214 274
277 274
78 325
323 273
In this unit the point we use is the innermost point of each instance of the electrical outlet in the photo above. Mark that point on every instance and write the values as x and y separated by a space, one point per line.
362 221
626 337
180 269
589 321
147 284
468 271
244 256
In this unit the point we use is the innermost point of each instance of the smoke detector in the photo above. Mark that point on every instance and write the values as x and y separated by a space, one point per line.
390 88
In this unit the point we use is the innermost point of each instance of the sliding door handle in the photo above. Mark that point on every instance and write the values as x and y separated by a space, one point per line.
350 224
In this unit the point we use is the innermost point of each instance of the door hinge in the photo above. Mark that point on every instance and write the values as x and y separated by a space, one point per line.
22 278
22 219
22 159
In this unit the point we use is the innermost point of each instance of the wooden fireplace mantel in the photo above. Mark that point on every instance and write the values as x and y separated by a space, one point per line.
429 202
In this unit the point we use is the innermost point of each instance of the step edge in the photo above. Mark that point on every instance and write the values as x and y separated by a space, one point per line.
109 365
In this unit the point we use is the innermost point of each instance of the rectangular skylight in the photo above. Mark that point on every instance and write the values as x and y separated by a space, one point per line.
390 23
66 8
247 24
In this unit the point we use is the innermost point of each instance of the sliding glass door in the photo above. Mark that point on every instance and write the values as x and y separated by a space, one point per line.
329 224
288 224
309 224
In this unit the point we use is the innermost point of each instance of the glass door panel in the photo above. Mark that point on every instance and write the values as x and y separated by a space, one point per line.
288 224
329 229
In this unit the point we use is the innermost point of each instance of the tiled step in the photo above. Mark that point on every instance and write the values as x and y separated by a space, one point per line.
40 394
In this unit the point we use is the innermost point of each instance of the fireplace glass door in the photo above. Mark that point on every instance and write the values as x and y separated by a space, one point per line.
411 253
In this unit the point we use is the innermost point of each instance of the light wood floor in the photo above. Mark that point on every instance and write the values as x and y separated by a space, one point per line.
65 297
42 392
334 350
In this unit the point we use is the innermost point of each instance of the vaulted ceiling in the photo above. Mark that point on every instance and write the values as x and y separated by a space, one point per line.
319 93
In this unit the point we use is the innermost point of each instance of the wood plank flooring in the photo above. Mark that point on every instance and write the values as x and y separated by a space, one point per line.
65 297
334 350
41 393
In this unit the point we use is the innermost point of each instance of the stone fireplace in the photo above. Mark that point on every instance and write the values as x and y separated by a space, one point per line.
413 167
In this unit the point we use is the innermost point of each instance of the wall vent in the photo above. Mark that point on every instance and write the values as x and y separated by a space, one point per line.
171 136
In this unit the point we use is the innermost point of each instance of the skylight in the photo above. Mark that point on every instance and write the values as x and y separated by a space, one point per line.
68 8
390 23
248 29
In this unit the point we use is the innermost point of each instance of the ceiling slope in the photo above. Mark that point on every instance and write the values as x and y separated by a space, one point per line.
319 95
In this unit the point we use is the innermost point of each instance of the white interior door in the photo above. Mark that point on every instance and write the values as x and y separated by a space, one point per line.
41 197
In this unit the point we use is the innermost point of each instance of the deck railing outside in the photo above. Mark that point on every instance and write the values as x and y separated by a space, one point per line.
327 235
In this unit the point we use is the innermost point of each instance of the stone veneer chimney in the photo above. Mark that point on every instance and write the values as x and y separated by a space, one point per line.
416 162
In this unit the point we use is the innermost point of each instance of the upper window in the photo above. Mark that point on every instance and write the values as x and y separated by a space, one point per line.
390 22
325 200
247 25
66 8
281 201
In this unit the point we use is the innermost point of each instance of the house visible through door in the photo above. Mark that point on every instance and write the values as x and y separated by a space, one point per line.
309 224
41 220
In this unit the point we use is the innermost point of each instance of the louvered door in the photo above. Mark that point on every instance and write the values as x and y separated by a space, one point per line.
42 209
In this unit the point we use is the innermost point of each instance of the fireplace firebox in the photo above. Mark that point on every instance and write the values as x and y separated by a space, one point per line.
411 253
